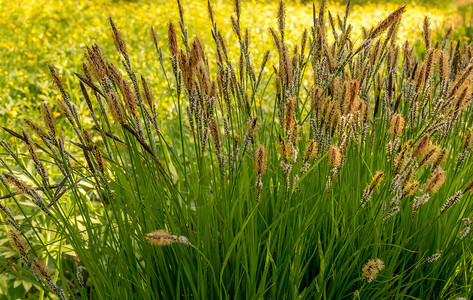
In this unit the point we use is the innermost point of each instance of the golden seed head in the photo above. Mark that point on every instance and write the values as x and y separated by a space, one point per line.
334 156
397 125
116 107
128 97
261 156
36 128
285 150
444 66
161 238
363 108
430 155
41 269
388 22
410 188
441 158
17 242
372 268
435 181
402 158
311 150
376 181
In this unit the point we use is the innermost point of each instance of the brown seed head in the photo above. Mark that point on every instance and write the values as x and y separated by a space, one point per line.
410 188
116 107
421 146
56 79
161 238
469 188
371 269
260 159
172 39
397 125
388 22
41 269
48 118
435 181
18 242
334 156
118 39
290 110
311 150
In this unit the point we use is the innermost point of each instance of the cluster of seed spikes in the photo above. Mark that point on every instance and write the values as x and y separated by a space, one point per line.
361 90
40 270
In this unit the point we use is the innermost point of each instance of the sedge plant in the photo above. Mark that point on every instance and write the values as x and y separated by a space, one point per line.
336 167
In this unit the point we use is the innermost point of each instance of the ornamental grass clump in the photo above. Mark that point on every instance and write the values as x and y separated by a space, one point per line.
259 170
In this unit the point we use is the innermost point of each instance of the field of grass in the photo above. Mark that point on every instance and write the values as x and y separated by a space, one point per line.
334 166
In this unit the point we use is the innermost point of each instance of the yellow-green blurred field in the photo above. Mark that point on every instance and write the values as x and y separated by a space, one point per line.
37 33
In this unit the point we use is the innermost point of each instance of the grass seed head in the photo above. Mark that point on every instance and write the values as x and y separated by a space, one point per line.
334 156
118 39
377 179
18 242
40 269
421 146
172 37
161 238
261 156
397 125
435 181
371 269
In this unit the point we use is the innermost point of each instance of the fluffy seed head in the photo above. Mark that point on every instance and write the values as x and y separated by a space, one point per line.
290 109
334 156
41 269
18 242
172 39
118 39
468 139
388 22
161 238
20 186
397 125
421 146
372 268
376 181
311 150
260 159
435 181
410 188
48 118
